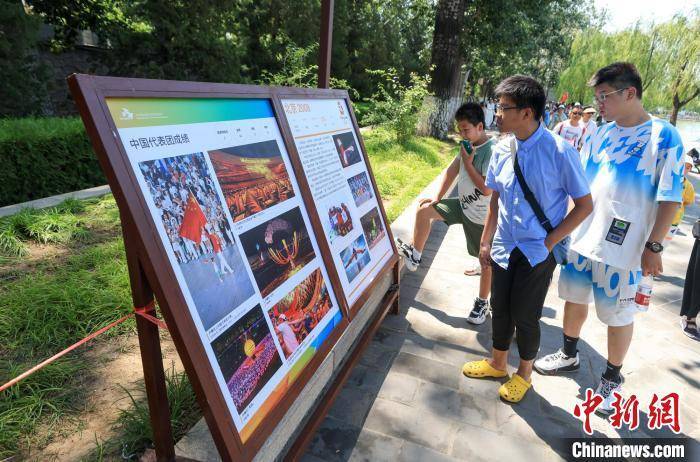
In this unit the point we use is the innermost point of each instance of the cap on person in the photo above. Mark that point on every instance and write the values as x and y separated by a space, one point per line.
561 106
283 317
577 104
689 160
589 110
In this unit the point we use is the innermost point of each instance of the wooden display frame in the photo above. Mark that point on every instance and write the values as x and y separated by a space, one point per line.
151 272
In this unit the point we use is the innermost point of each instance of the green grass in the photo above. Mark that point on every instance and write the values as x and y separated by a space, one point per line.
48 302
403 171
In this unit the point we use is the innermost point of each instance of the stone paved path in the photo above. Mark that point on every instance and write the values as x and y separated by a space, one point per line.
408 401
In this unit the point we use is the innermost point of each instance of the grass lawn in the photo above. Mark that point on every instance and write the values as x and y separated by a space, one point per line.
63 275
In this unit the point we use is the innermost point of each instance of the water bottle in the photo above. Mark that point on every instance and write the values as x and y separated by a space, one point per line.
643 295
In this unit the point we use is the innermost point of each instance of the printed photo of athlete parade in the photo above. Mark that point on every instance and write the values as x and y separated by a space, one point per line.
427 230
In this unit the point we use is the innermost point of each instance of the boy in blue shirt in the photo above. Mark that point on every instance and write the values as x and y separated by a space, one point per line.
514 242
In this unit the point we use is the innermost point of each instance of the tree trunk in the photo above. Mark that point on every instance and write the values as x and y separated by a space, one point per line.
676 108
448 77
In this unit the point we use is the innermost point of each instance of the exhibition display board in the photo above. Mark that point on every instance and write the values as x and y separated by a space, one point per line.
255 219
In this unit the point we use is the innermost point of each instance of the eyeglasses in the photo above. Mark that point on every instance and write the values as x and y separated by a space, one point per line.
601 98
500 108
576 113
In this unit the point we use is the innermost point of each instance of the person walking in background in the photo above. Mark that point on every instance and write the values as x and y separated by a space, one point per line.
688 199
557 117
690 306
572 129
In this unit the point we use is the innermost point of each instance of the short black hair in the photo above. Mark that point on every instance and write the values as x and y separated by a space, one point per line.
618 75
525 92
472 113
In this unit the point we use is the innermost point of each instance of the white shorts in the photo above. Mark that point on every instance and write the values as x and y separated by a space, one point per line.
584 281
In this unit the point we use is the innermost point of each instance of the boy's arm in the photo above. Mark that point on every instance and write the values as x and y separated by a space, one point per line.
476 177
583 206
489 230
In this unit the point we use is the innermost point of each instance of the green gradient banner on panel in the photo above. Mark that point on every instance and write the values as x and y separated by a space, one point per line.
150 112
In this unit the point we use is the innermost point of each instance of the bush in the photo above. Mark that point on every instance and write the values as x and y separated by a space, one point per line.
395 105
42 157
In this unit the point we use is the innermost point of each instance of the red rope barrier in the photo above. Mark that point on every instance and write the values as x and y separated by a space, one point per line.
142 311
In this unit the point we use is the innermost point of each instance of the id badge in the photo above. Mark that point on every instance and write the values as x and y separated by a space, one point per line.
618 231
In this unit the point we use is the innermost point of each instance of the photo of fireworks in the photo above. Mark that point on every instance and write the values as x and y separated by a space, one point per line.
253 177
300 311
247 356
277 249
196 228
355 257
373 227
360 187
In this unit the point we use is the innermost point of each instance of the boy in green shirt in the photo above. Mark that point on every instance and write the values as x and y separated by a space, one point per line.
468 209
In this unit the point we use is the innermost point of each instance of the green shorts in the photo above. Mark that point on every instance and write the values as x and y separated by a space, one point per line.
451 212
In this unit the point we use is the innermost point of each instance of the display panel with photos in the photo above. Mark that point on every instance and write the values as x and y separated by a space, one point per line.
219 186
340 181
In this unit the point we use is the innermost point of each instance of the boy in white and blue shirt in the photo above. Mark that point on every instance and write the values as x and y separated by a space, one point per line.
634 167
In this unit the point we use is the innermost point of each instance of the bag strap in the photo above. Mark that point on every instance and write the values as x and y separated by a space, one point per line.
529 196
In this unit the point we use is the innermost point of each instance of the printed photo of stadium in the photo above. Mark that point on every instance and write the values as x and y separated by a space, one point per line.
277 249
300 311
253 177
247 356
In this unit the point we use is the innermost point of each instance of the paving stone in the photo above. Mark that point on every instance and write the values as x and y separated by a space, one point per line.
411 452
462 407
334 440
477 444
377 357
352 405
427 370
372 446
412 424
399 387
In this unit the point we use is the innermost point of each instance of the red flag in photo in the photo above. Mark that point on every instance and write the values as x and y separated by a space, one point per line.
564 97
193 221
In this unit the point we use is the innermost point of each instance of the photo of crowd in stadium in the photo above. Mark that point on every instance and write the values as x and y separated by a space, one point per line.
355 257
277 249
373 227
360 187
347 149
298 313
197 230
247 356
253 177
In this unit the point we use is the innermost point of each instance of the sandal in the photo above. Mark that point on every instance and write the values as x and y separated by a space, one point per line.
514 389
478 369
476 271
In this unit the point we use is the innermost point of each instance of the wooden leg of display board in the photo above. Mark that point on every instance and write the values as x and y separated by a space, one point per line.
299 447
396 271
151 355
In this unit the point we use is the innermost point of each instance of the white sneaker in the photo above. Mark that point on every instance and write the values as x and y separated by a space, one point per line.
606 389
407 252
479 312
557 362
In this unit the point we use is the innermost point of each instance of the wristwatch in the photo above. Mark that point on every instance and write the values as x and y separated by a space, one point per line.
654 246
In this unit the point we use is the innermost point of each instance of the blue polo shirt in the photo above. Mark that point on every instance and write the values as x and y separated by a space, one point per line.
553 171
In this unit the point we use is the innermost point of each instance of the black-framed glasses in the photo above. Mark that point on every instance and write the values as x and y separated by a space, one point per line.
601 98
500 108
576 113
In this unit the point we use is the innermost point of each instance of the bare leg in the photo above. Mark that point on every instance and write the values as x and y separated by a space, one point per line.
525 369
499 359
574 316
485 282
619 339
424 220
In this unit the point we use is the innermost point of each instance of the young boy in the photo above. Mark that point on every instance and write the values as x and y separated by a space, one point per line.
468 210
634 165
514 240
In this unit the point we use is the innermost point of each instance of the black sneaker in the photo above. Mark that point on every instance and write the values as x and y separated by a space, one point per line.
406 251
479 312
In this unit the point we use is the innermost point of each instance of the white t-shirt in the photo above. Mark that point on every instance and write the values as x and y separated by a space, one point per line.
590 129
571 134
473 201
630 170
